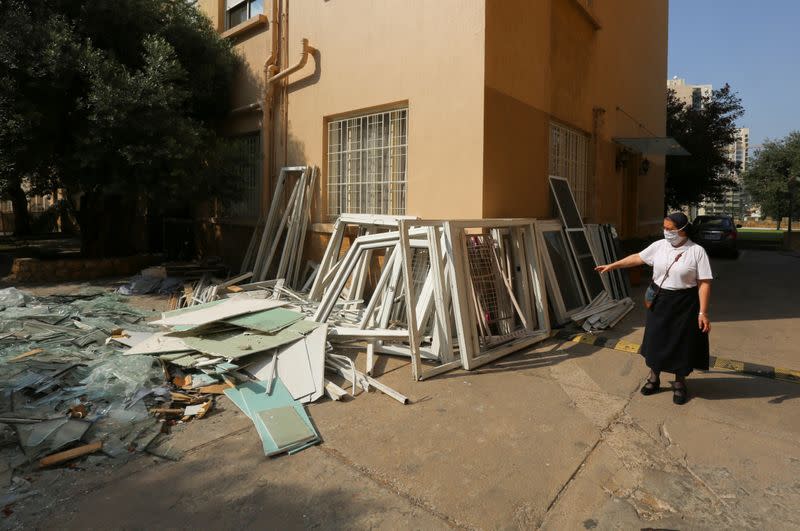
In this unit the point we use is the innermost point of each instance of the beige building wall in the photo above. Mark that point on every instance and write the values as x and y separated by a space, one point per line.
373 54
482 81
549 61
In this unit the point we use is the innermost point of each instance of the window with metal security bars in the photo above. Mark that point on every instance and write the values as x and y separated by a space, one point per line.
569 158
367 165
249 204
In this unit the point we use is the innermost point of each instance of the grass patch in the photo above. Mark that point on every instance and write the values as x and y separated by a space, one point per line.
757 235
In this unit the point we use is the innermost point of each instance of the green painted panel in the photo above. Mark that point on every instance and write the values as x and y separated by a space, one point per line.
269 321
253 400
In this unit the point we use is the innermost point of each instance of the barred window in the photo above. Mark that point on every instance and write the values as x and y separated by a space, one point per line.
569 158
367 166
249 204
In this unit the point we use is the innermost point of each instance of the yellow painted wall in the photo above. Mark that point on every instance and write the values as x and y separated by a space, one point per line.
518 77
545 61
429 54
482 80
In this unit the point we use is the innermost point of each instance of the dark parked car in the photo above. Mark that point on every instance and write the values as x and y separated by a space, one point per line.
716 233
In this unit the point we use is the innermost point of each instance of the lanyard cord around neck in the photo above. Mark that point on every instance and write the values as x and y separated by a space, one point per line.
670 267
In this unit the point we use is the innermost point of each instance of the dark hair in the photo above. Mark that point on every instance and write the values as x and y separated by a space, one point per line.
681 221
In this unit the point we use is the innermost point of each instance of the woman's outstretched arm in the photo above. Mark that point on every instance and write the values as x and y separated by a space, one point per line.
629 261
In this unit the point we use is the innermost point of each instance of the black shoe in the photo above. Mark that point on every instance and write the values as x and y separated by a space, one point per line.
651 387
680 394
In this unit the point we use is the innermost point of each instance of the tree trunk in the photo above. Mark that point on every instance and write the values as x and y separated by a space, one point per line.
778 224
22 218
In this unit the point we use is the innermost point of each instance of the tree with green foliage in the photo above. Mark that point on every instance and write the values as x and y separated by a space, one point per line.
705 130
773 179
117 103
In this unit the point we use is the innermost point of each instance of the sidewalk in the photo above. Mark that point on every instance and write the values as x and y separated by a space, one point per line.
557 438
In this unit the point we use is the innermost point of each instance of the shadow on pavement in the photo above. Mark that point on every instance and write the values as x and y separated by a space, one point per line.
733 387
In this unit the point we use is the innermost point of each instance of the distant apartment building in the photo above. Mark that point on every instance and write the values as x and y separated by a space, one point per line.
689 94
734 202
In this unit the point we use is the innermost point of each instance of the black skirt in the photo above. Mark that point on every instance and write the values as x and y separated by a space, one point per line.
673 341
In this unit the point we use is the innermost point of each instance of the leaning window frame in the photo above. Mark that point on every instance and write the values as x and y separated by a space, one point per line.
562 313
524 239
577 230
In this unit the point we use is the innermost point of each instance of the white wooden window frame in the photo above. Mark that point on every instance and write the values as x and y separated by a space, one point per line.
534 303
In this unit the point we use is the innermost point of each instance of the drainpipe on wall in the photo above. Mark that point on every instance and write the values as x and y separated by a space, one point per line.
270 66
272 81
307 50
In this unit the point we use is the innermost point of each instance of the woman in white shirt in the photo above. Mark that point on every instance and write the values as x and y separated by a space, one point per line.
676 333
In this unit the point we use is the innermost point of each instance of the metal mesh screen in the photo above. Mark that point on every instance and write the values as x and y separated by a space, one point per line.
495 312
367 164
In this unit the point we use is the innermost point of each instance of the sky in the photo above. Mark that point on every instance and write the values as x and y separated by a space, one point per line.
753 45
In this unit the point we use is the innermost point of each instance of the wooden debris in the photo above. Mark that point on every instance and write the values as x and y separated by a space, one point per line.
180 397
166 411
69 455
27 354
182 381
216 389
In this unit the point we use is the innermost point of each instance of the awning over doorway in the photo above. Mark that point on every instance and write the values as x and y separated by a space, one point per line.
654 145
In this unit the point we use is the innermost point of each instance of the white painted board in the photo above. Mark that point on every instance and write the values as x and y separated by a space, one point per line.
224 310
158 343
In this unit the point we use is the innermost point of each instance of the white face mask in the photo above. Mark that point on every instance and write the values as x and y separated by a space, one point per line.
673 237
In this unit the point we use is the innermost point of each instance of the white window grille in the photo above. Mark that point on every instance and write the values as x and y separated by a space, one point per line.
569 158
249 204
367 165
238 11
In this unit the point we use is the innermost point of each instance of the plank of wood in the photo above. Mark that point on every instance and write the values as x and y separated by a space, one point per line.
27 354
180 397
69 455
216 389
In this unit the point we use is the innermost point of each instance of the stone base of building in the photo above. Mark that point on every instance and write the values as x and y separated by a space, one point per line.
33 270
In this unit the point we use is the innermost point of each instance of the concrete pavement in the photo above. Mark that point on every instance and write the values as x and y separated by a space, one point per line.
557 438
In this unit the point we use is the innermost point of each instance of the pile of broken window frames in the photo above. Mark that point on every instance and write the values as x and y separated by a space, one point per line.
86 371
